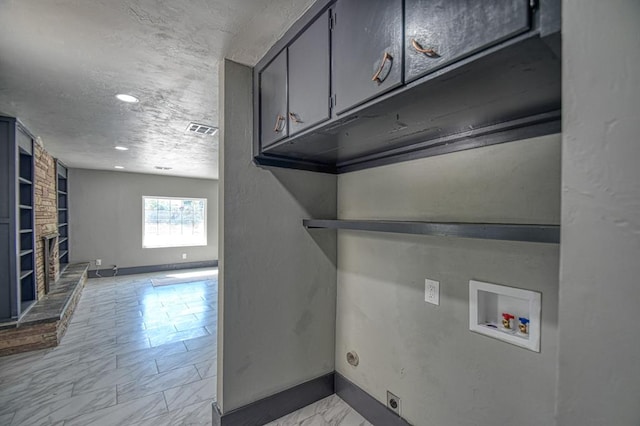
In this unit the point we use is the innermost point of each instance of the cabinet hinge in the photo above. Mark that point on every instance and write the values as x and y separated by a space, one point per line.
332 101
332 20
533 4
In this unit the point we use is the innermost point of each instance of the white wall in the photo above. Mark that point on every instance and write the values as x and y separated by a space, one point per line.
278 280
599 381
105 214
445 374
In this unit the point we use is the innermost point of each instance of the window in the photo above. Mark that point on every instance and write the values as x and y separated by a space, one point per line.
174 222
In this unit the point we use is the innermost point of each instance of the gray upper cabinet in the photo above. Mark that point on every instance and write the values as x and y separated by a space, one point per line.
439 32
367 50
363 83
309 73
273 100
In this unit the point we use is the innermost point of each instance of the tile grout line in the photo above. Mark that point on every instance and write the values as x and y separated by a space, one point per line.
166 404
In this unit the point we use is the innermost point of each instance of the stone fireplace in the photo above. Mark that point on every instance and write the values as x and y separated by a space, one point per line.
44 323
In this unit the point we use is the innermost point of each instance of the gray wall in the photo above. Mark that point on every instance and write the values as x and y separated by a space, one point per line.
105 210
599 381
278 281
425 354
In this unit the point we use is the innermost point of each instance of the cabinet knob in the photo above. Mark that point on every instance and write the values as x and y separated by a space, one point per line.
279 124
294 117
376 76
429 52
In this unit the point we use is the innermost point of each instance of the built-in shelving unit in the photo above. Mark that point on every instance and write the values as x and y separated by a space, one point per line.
488 231
26 221
18 278
63 215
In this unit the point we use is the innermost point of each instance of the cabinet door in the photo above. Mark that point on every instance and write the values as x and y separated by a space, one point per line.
273 100
439 32
366 50
309 69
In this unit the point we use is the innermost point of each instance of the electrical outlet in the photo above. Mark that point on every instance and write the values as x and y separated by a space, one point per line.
432 291
98 262
393 403
184 255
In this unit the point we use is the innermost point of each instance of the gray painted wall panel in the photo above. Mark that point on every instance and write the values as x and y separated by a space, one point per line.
425 354
9 284
278 281
7 181
599 381
6 278
24 141
106 217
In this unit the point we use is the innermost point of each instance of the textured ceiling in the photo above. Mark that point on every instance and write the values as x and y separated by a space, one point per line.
63 61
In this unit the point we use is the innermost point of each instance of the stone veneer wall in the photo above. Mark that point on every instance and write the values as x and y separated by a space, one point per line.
46 210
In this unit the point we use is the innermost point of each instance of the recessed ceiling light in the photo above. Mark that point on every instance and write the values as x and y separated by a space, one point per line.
122 148
118 167
127 98
163 168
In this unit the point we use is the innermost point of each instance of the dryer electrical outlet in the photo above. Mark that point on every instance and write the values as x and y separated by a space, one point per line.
432 291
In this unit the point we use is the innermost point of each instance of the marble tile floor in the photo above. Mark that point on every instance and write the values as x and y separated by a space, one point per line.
133 354
330 411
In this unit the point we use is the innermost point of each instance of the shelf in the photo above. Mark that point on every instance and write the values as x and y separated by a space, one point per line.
25 181
60 225
26 231
62 192
63 254
25 274
62 210
26 207
26 306
487 231
62 240
25 252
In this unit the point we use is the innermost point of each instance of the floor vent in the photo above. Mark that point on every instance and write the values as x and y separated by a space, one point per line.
201 129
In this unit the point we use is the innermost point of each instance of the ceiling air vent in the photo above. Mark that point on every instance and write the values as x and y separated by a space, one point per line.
201 129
